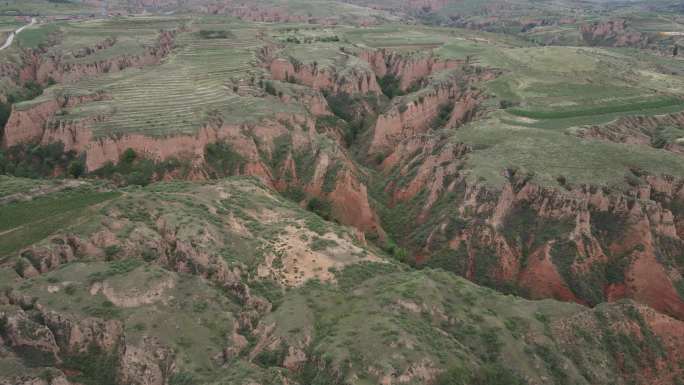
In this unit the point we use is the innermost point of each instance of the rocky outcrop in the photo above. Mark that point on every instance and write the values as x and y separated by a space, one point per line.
432 174
57 379
408 68
29 338
314 101
58 337
87 51
28 123
612 33
39 67
418 113
151 363
640 130
77 336
352 80
657 340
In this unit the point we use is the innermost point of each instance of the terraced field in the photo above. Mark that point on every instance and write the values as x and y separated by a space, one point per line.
130 36
45 7
8 24
193 83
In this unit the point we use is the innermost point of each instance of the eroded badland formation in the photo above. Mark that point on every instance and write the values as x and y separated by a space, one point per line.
358 192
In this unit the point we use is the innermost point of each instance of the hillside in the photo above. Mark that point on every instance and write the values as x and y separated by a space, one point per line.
226 281
390 192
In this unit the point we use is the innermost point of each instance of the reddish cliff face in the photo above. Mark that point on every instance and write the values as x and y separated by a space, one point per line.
406 119
348 196
581 244
314 101
409 69
612 33
354 81
26 125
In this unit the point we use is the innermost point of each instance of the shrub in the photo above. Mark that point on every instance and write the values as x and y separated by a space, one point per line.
330 178
443 115
389 84
489 374
397 252
128 156
455 261
319 244
70 289
200 307
111 251
149 255
76 168
34 161
268 87
295 194
219 34
271 358
182 378
321 207
281 148
223 159
342 105
679 285
20 265
95 367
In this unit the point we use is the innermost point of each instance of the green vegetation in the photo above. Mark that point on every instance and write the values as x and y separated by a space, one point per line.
390 85
223 159
636 107
321 207
133 169
209 34
443 116
38 36
492 374
24 223
178 96
34 161
524 228
258 279
319 244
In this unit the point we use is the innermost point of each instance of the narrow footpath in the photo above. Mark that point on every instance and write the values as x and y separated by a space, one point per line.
10 39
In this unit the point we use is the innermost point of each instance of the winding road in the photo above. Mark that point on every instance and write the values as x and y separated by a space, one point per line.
10 39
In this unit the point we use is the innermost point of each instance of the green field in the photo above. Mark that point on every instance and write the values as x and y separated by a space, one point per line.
24 223
637 107
183 93
44 7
